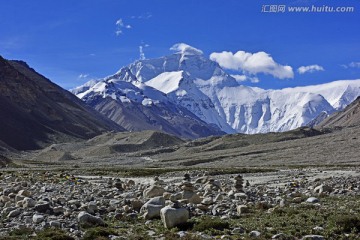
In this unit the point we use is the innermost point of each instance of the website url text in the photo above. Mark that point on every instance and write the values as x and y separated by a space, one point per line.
309 9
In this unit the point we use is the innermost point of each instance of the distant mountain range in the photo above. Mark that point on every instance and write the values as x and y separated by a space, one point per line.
184 94
34 112
188 95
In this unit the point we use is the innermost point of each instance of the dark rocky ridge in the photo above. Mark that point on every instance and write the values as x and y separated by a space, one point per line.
35 112
348 117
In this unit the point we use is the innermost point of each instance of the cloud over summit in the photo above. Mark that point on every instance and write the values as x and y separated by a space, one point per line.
252 63
184 48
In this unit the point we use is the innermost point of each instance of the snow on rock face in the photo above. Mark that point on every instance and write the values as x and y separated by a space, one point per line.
250 110
258 111
197 66
166 82
349 95
83 87
98 88
123 75
147 102
292 110
190 80
338 93
190 96
124 90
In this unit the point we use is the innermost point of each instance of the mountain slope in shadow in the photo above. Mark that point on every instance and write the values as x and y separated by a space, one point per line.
34 112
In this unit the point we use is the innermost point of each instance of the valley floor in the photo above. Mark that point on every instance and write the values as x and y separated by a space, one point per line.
297 203
300 147
301 184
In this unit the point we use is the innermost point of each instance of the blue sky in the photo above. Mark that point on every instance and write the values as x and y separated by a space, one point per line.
67 39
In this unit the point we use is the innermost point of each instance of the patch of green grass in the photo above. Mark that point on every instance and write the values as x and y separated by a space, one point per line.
14 238
52 234
18 234
336 215
347 223
98 233
147 172
211 225
190 236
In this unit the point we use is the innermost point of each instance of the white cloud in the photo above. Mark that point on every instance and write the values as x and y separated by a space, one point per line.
120 26
83 75
119 22
310 69
240 78
254 79
354 64
146 16
143 16
184 48
141 50
253 63
243 78
351 65
142 54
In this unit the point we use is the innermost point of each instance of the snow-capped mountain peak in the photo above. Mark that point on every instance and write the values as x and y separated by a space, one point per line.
191 81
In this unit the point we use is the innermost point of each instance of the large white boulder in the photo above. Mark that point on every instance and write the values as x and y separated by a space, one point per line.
172 217
151 209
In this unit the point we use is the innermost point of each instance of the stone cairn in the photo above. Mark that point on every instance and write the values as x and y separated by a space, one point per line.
187 186
187 177
118 184
109 183
188 190
238 183
158 181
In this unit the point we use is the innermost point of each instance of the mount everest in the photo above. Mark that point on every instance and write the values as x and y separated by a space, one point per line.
189 95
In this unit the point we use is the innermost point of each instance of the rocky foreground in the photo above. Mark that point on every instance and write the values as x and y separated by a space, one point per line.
292 204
